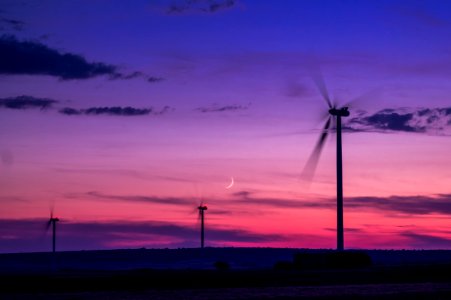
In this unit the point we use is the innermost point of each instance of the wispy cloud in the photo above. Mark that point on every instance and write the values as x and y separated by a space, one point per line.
224 108
177 7
131 173
26 102
420 120
135 74
415 205
146 199
114 111
22 235
420 15
35 58
426 241
246 197
6 23
411 205
29 102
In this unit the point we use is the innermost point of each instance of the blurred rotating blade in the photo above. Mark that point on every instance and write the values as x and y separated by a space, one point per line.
371 95
310 166
321 85
47 225
49 222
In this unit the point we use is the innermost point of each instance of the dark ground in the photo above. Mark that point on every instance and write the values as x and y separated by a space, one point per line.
191 274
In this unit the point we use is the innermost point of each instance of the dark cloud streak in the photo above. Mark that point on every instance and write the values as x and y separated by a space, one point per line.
415 205
35 58
145 199
114 111
12 23
26 102
410 205
425 241
419 120
21 235
216 108
200 6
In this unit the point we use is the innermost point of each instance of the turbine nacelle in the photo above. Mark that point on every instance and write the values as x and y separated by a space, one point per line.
342 112
202 207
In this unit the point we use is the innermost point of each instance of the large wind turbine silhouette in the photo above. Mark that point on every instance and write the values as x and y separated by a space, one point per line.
334 115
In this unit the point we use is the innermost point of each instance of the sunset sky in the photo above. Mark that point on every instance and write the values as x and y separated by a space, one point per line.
124 116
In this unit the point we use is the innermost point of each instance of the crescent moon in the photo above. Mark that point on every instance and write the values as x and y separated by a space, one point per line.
231 184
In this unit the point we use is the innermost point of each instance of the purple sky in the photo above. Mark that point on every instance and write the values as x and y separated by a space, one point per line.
124 116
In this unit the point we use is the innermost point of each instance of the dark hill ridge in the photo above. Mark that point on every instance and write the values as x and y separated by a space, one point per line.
194 258
250 274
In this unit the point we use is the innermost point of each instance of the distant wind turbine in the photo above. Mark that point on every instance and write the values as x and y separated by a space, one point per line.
202 208
52 222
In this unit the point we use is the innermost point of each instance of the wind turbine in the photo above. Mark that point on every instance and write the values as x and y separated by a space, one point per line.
202 208
52 222
334 115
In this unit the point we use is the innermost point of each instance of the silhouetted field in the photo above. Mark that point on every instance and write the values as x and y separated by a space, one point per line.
222 273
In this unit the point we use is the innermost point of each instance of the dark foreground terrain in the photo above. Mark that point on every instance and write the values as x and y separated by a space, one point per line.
221 273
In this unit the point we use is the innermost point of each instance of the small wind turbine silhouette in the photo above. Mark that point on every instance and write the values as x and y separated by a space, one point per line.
334 115
52 222
202 208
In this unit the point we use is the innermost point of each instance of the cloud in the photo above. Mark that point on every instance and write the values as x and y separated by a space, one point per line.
425 241
415 205
154 79
26 102
246 197
114 111
133 75
11 24
420 120
420 15
23 235
217 108
29 102
146 199
35 58
199 6
411 205
70 111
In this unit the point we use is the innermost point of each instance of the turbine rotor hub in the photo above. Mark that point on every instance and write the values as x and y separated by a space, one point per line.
342 112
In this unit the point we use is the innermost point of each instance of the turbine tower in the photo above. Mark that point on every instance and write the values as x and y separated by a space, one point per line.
334 115
202 208
52 222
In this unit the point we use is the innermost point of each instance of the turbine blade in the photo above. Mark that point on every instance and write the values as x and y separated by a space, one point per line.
195 210
321 85
47 225
52 209
312 162
373 94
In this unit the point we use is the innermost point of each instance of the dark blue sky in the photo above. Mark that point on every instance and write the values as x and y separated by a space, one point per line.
111 110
